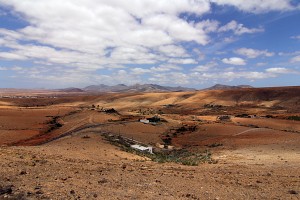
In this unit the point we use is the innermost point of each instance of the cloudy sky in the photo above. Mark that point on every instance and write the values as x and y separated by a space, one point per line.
194 43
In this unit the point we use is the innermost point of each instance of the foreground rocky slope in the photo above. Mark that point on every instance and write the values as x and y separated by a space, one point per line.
90 168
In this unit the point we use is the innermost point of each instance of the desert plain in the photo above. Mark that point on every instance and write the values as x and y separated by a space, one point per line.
66 145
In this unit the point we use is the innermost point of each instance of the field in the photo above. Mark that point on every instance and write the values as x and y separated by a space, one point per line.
56 145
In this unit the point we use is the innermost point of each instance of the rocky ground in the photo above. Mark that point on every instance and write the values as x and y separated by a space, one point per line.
80 167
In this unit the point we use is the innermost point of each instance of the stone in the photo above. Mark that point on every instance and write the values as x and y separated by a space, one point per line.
6 189
72 192
293 192
23 172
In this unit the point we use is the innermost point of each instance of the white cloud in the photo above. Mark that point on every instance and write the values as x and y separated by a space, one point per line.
172 78
70 41
238 29
199 54
258 6
207 67
93 25
95 34
173 51
279 70
253 53
231 75
182 61
177 28
255 75
133 54
208 25
9 34
165 68
295 53
234 61
261 64
148 7
16 68
297 37
295 59
229 40
228 69
11 56
139 71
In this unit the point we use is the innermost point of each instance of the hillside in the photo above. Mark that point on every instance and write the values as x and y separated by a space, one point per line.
134 88
71 89
283 98
68 146
227 87
279 98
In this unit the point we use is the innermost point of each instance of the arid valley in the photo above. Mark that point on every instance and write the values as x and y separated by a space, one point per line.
214 144
149 99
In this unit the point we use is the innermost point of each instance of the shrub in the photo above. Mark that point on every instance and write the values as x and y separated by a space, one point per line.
297 118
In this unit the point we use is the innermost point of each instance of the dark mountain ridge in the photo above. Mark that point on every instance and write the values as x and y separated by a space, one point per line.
146 88
227 87
135 88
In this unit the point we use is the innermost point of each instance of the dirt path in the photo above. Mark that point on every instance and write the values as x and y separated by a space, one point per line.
249 130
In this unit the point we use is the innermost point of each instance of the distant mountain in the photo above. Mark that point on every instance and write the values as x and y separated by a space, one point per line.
227 87
146 88
134 88
105 88
71 89
245 86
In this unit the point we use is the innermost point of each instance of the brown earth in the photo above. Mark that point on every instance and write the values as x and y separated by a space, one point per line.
254 158
17 123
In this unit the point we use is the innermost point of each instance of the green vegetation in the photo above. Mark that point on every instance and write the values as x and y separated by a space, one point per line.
215 145
53 124
269 116
182 156
244 115
297 118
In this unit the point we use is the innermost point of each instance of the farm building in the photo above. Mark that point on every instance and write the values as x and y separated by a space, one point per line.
142 148
145 121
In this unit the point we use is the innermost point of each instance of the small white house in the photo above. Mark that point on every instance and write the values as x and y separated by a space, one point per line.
142 148
145 121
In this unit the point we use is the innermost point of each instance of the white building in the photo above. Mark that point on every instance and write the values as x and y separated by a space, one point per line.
142 148
145 121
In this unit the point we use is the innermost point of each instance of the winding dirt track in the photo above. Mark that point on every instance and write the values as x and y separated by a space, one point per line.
249 130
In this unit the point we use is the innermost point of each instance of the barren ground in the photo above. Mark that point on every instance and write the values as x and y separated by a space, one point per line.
255 158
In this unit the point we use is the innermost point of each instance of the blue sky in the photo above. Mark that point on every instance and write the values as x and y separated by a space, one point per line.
192 43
